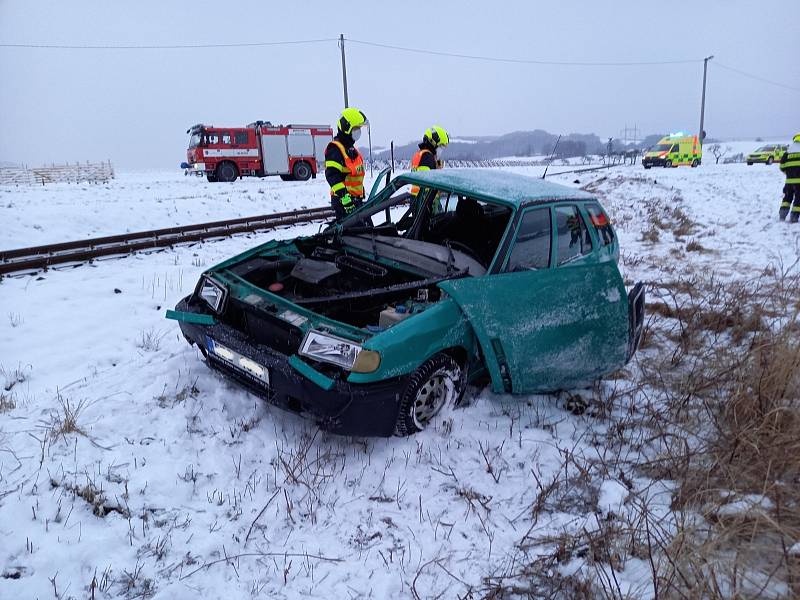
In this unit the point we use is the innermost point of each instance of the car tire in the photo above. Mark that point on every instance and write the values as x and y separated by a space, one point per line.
695 163
211 177
301 171
646 166
226 172
769 160
749 164
438 384
668 164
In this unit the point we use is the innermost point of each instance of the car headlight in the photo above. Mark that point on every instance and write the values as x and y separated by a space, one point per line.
335 350
213 293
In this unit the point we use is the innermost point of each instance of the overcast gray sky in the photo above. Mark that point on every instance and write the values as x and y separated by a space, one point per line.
134 106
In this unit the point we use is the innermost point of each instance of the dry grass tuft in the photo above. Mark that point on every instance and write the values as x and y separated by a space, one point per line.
7 402
695 246
150 340
64 421
730 436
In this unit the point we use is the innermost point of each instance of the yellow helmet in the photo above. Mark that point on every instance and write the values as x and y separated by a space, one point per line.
350 119
796 138
436 136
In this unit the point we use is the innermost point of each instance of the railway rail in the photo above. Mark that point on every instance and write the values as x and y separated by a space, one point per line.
37 258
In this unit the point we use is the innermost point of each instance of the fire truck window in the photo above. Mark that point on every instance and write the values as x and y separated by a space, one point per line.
226 138
240 137
212 138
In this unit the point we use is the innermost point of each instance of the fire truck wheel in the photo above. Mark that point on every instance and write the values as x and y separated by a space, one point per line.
301 171
227 171
211 178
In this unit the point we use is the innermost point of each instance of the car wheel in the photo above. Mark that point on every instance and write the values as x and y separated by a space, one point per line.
227 172
211 177
749 164
668 164
301 171
694 163
769 160
646 166
437 384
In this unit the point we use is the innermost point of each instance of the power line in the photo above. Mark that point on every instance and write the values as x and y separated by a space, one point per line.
757 78
527 61
166 47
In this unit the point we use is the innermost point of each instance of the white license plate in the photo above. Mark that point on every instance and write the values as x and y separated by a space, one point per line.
237 360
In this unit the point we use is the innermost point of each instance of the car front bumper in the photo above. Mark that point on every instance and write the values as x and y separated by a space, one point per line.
652 161
335 405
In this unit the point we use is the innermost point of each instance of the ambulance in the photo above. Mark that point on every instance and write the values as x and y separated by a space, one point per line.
673 151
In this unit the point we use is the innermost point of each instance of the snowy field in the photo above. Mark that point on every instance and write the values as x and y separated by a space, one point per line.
128 469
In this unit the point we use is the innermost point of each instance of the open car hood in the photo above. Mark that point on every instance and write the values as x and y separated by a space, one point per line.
431 257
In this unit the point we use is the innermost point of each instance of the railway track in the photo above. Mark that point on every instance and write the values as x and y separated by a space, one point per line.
37 258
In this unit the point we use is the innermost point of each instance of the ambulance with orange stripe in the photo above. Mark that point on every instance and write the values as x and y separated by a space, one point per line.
674 150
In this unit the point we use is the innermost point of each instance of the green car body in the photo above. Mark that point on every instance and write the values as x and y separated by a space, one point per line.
771 153
428 291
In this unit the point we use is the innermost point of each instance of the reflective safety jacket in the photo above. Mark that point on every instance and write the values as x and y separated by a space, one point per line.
352 169
423 160
790 164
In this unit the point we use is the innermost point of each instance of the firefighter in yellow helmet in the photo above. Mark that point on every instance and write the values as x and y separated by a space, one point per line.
344 165
428 157
433 143
790 165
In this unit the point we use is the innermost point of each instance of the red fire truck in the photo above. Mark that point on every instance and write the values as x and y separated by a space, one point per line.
295 152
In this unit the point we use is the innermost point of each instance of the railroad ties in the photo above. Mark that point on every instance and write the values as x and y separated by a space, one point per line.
37 258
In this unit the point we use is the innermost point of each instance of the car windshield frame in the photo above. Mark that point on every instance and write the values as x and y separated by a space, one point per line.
195 139
419 208
663 147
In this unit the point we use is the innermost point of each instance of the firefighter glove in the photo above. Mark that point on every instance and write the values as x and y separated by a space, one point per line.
347 203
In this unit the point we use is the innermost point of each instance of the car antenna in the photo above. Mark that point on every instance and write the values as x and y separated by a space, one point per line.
547 166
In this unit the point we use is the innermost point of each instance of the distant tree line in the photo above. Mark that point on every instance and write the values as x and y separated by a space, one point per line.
525 143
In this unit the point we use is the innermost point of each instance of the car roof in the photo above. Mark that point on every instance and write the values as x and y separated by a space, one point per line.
494 185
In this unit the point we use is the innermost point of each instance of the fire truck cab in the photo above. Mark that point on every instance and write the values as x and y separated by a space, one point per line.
295 152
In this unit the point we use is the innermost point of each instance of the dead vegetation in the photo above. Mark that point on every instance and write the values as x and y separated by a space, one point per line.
7 402
728 434
64 420
659 219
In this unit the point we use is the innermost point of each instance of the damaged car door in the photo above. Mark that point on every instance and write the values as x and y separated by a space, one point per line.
555 315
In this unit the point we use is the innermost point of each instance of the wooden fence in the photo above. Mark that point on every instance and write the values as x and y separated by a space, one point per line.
67 173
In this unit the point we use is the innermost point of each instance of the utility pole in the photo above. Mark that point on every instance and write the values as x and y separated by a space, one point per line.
344 71
701 134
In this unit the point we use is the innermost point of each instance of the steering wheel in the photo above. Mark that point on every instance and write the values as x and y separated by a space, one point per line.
463 248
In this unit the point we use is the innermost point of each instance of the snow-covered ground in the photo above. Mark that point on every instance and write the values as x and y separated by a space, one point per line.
125 462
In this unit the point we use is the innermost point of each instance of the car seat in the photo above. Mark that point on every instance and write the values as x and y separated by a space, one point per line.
467 227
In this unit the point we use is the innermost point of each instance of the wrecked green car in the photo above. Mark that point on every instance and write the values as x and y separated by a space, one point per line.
441 278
